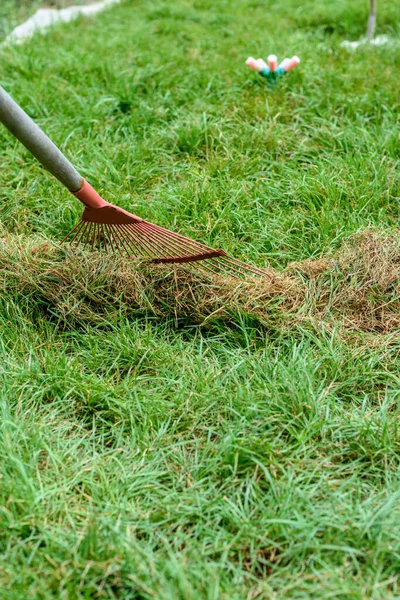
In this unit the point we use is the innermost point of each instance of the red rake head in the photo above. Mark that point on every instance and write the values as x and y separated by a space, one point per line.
106 227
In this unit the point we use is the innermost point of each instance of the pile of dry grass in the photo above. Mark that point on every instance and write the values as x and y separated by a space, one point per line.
357 288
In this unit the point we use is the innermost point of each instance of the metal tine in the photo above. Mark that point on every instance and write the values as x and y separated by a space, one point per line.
227 266
180 242
116 245
174 244
222 269
199 267
160 251
170 245
146 250
230 269
132 233
176 250
213 261
197 246
87 237
103 231
97 241
203 265
245 266
76 229
138 249
177 236
154 242
110 243
135 236
121 241
227 263
121 246
134 247
150 243
99 228
94 235
146 240
236 265
84 230
134 243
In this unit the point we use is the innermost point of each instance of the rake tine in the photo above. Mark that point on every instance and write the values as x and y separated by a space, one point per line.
84 230
165 245
134 238
172 246
226 265
197 246
245 266
109 237
135 244
77 227
108 231
88 235
120 244
116 245
131 243
121 239
103 231
157 250
94 235
141 241
202 266
150 242
187 242
177 236
176 246
217 270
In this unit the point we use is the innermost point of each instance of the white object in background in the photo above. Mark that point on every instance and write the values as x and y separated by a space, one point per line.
284 64
45 17
379 40
272 63
261 64
252 63
292 63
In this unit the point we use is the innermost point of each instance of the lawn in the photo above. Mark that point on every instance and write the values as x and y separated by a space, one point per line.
146 454
14 12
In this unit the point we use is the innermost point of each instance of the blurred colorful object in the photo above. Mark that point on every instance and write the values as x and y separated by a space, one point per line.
272 71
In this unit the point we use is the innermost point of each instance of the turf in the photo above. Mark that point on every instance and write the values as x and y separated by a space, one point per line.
14 12
145 456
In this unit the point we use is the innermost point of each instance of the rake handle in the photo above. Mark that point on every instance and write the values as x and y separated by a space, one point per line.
36 141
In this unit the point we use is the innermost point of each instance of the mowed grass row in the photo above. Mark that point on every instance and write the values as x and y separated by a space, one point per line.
139 459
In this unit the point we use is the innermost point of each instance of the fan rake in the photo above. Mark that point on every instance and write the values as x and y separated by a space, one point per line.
108 228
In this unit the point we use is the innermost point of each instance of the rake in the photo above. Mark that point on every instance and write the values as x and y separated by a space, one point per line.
108 228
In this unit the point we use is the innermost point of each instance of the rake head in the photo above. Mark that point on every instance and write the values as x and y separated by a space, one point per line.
112 229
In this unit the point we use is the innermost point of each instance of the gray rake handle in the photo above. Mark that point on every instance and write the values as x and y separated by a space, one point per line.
36 141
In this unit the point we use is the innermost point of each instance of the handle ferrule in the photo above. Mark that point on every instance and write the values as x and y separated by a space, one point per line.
89 196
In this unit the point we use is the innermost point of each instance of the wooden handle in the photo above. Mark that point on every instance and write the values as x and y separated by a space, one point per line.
36 141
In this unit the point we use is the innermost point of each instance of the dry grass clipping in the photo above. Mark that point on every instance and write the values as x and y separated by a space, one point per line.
357 288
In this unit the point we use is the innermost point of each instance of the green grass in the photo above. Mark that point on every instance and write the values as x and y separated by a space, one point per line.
15 12
143 460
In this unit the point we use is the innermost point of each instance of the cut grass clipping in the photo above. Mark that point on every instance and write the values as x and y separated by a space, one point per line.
357 288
